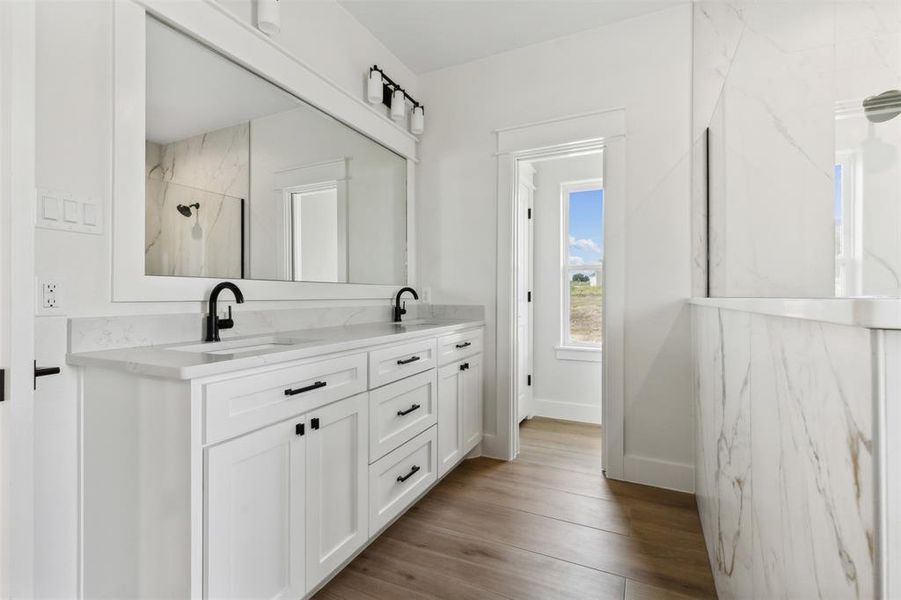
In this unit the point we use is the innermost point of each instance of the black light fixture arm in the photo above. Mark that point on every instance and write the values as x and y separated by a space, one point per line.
390 85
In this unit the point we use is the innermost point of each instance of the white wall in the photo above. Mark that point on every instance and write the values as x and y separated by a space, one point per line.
644 66
74 139
563 389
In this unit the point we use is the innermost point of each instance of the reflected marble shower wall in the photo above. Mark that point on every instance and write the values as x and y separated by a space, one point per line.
211 169
785 474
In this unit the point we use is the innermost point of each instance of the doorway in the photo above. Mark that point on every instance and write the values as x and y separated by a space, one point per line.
559 283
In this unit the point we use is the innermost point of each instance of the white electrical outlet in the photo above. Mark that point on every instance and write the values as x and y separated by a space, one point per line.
48 297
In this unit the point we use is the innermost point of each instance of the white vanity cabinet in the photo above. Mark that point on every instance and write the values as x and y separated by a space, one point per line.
265 480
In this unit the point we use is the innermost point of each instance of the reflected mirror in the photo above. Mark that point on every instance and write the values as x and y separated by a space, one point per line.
246 181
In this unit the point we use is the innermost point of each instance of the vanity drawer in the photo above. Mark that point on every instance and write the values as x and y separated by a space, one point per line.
454 346
396 362
400 411
234 406
400 477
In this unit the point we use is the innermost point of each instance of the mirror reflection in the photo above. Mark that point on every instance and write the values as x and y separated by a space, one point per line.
244 180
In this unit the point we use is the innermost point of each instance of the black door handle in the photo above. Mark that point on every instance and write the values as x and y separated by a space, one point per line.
314 423
43 372
402 413
412 359
464 345
298 429
315 386
413 471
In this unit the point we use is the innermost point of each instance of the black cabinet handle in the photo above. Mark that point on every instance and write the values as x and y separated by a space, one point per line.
298 429
43 372
464 345
407 361
315 386
314 423
402 413
464 366
413 471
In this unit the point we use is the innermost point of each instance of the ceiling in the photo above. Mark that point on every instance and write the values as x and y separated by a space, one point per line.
192 90
432 34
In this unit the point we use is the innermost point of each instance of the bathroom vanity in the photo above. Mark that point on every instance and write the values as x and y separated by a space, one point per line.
259 466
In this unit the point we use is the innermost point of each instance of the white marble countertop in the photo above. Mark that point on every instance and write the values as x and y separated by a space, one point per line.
190 361
870 313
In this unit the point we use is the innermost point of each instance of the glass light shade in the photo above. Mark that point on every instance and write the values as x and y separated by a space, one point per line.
268 18
375 88
398 105
417 120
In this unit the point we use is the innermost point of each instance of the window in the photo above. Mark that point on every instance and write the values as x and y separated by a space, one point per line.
582 208
847 237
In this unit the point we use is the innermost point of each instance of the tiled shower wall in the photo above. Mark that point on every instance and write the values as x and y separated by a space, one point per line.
785 470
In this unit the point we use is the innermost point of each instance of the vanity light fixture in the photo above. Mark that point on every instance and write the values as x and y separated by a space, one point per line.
268 18
381 88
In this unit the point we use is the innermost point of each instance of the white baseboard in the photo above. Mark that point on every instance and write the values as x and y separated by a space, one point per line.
568 411
659 473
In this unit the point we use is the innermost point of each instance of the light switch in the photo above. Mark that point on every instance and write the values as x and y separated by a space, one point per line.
90 214
70 211
50 208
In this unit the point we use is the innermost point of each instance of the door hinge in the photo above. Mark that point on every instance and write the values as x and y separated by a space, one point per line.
528 380
530 213
529 296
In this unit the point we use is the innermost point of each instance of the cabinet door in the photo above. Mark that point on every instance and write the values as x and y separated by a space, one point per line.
450 417
255 515
471 386
337 485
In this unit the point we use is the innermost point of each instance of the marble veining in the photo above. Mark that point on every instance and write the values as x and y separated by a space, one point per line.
90 334
784 459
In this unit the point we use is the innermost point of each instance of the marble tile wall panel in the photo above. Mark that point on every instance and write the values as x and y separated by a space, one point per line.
784 455
812 460
723 448
87 334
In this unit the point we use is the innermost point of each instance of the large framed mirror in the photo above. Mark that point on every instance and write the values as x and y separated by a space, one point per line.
242 179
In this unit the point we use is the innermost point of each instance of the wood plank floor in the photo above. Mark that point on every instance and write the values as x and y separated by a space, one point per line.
545 526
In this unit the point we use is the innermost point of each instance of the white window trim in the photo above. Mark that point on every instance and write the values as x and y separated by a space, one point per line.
569 349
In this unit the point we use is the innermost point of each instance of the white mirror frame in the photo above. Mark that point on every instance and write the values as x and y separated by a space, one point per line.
216 27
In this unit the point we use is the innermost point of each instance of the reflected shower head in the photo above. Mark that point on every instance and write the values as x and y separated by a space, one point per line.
186 210
883 107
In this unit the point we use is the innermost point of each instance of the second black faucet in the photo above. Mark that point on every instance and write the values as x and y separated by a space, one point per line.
213 322
399 311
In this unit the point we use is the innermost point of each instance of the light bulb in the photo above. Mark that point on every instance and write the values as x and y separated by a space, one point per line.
375 89
417 120
268 19
398 105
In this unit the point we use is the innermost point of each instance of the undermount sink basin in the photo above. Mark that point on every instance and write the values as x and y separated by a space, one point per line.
245 346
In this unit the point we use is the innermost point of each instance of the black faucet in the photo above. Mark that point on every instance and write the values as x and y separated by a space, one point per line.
213 322
398 310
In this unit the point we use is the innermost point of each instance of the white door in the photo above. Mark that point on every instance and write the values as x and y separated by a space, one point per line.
255 514
524 292
471 390
17 187
450 418
337 485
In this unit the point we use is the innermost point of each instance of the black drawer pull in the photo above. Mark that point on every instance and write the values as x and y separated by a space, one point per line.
464 345
407 361
298 429
402 413
464 366
314 423
309 388
413 471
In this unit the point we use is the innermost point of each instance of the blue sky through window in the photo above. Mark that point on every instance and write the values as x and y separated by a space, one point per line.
586 226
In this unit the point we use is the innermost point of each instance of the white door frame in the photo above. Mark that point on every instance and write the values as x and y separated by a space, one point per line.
17 189
563 135
523 228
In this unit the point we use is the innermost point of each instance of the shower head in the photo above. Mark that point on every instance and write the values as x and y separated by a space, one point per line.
186 210
883 107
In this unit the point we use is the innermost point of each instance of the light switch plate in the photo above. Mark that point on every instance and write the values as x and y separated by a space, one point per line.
65 211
